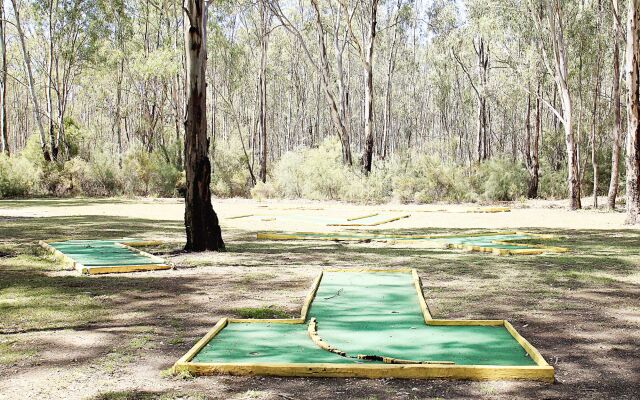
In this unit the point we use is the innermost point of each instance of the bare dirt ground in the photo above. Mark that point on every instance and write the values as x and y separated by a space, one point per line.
115 336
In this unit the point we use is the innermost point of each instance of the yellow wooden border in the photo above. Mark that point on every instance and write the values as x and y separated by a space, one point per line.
531 351
373 371
481 210
534 250
440 370
240 216
363 217
108 269
384 221
327 235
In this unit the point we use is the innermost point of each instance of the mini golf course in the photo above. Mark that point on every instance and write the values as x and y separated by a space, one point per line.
105 256
373 219
371 324
499 243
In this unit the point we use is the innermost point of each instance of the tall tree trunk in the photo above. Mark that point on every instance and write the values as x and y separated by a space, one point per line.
4 133
633 112
325 71
561 76
262 90
201 222
391 66
617 120
594 123
118 116
531 146
37 113
367 156
535 150
51 128
482 52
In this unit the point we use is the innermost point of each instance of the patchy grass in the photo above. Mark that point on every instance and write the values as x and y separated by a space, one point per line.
579 308
140 395
270 312
11 352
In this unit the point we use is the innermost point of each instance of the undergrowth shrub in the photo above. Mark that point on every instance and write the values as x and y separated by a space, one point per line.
553 184
147 173
18 177
102 177
501 179
423 179
231 177
316 173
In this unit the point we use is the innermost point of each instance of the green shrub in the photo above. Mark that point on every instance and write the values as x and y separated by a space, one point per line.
230 176
289 176
263 191
18 177
501 179
102 177
149 174
373 188
316 173
553 184
423 179
326 176
58 179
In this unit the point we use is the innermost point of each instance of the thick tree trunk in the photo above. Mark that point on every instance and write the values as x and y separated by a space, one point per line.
633 112
617 120
201 222
4 133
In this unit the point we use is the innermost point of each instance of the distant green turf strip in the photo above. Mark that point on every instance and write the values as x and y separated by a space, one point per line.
96 253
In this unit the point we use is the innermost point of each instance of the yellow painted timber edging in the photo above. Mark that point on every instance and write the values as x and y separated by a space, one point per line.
110 269
240 216
393 368
534 250
363 217
384 221
488 210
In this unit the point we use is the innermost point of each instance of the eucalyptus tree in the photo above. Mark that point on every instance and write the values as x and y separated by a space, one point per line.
35 103
201 221
4 132
616 130
632 71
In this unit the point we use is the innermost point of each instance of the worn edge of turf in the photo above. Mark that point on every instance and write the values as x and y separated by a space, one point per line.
111 269
540 372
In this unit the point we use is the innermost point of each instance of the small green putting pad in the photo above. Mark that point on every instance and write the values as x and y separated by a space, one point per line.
105 256
366 313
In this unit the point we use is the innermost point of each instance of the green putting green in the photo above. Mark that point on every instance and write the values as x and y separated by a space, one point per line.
102 256
500 243
364 313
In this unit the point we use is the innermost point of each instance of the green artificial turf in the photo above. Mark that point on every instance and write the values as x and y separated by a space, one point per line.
370 314
473 240
96 253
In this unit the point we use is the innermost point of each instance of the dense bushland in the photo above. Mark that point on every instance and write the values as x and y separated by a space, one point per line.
310 173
